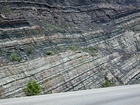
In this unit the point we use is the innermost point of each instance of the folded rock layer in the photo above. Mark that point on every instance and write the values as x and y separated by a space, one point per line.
68 45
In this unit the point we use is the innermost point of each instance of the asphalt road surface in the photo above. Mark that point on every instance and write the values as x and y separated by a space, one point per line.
120 95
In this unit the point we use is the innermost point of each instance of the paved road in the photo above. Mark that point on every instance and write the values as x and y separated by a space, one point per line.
123 95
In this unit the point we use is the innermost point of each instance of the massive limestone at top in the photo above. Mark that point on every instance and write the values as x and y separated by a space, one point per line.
68 45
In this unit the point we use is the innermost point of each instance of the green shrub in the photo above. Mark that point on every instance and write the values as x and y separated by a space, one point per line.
15 58
92 50
49 52
32 88
52 26
66 26
18 59
29 50
106 83
6 9
72 47
95 48
59 48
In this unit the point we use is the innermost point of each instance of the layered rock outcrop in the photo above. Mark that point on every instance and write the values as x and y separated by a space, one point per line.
89 41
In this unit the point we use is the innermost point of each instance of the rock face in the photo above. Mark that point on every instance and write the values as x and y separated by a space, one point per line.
68 45
86 2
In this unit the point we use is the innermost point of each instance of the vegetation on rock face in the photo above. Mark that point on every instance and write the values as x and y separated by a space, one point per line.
29 50
66 26
72 47
5 9
52 26
32 88
59 48
49 52
93 50
106 83
15 58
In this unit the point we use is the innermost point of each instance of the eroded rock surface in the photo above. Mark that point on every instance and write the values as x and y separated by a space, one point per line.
89 40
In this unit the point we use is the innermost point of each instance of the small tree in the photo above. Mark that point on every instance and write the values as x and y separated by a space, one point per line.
32 88
49 52
106 83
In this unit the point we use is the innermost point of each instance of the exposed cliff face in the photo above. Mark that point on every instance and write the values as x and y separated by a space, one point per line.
81 2
87 2
90 40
